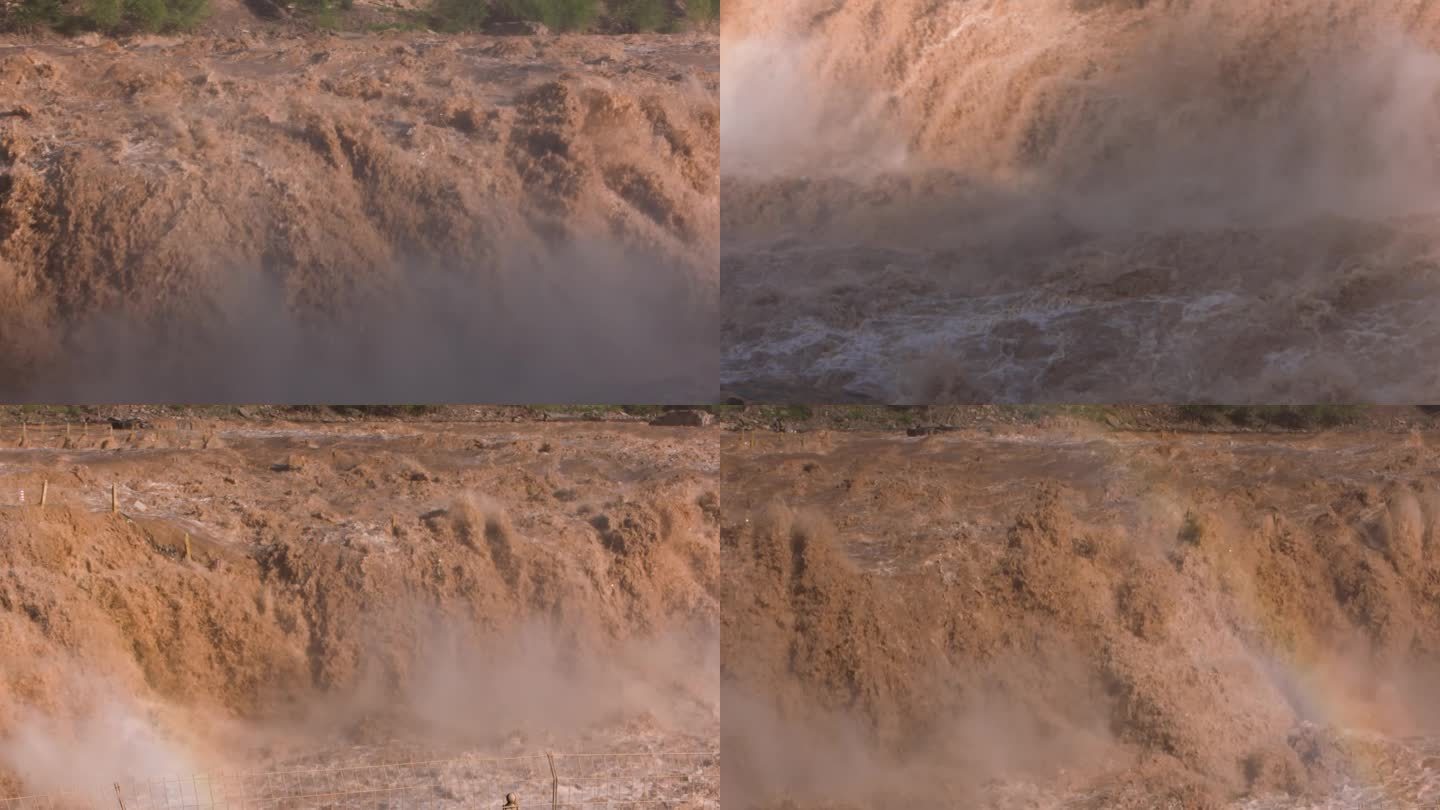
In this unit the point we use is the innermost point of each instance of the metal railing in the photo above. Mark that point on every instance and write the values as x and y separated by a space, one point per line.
638 781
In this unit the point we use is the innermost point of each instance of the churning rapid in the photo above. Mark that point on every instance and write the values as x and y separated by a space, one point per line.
274 598
408 217
1069 618
988 200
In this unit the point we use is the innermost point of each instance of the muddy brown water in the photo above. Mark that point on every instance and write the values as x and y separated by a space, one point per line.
474 179
1019 544
347 493
1081 201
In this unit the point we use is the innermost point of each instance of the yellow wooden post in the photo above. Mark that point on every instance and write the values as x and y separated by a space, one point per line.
114 500
187 547
44 491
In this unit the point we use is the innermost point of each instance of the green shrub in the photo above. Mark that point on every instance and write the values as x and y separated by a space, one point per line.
29 15
797 413
560 15
1205 413
702 11
323 13
384 411
460 15
1309 417
640 15
147 15
139 15
185 14
105 14
1285 417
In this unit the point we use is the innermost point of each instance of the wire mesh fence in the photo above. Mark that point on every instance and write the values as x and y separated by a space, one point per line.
640 781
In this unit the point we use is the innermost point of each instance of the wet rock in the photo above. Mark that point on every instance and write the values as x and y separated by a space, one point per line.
683 419
517 28
129 424
268 9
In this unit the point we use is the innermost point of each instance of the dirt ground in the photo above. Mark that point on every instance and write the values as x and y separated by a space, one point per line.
1063 201
258 215
278 597
1076 617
